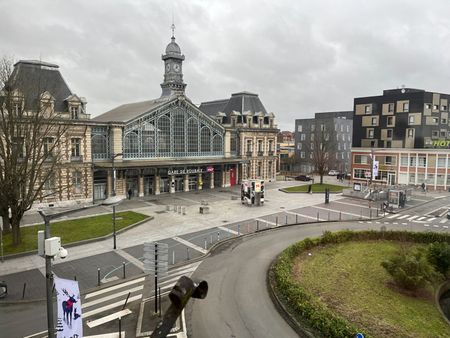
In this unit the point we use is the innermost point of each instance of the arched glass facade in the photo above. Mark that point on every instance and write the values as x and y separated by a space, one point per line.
176 131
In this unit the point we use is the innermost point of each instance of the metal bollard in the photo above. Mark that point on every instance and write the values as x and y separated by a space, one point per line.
340 216
257 225
248 228
173 257
123 270
276 221
328 215
286 220
74 278
206 244
120 327
370 213
23 291
98 276
296 218
377 211
187 254
317 216
211 239
218 236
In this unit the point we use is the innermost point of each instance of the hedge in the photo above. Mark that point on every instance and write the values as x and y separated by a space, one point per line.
304 305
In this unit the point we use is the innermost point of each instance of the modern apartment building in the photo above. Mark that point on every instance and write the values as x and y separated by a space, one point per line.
338 125
406 131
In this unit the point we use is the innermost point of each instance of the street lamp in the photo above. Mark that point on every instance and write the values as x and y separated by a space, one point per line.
48 261
1 238
113 201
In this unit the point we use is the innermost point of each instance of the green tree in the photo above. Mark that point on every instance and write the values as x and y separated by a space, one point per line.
438 255
410 270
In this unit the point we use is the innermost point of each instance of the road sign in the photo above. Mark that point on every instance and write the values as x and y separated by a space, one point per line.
156 258
359 335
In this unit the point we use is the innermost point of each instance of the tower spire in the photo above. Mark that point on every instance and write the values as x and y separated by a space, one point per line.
173 26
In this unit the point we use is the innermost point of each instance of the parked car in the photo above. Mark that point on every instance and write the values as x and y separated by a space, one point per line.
302 178
3 289
333 172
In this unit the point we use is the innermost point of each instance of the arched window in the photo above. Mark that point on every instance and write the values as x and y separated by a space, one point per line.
164 134
178 133
148 139
192 135
205 140
131 143
217 143
76 182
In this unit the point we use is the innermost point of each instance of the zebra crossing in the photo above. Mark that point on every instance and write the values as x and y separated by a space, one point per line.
415 218
102 306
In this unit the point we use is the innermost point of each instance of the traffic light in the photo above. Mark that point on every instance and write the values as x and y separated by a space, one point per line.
183 290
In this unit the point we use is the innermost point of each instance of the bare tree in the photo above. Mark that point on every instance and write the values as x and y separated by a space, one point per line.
31 144
322 149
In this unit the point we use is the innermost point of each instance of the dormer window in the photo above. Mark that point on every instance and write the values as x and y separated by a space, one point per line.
17 107
74 113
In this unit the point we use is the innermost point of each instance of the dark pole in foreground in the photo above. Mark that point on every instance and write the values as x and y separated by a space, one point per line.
49 283
156 277
114 226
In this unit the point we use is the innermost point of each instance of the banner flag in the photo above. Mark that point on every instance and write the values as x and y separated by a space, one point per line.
375 169
70 323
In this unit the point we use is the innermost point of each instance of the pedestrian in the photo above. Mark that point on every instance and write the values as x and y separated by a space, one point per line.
423 186
130 192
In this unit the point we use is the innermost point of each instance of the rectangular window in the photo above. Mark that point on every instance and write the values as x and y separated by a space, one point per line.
441 162
443 107
313 127
368 109
299 146
76 182
270 145
249 146
411 119
302 154
361 159
389 160
76 147
299 128
443 120
435 107
74 113
390 121
345 146
404 160
370 133
422 161
48 146
410 132
435 120
389 133
405 106
312 146
374 121
302 137
342 128
412 161
391 108
260 146
49 184
322 127
348 128
435 134
388 144
18 146
339 146
428 106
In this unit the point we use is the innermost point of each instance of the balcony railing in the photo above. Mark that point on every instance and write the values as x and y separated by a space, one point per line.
249 154
271 153
260 153
76 158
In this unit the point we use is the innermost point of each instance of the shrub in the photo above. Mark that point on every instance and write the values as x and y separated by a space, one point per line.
438 255
410 270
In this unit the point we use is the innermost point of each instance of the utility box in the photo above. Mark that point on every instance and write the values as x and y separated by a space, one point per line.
52 246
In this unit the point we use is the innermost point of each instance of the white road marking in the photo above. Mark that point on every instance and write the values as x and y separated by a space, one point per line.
109 318
403 216
191 245
445 226
115 287
386 222
360 222
354 205
404 223
229 230
395 223
369 222
420 200
265 221
131 259
420 218
110 306
377 222
110 297
436 226
412 217
431 219
305 216
443 221
393 216
426 225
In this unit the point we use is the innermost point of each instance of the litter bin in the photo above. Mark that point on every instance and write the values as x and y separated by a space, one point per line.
3 289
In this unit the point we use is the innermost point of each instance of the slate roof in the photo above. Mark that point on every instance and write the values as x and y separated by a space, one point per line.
129 111
34 77
240 102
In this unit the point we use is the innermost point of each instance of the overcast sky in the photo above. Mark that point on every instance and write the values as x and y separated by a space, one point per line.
299 56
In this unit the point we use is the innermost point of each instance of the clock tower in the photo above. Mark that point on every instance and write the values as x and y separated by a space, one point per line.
173 74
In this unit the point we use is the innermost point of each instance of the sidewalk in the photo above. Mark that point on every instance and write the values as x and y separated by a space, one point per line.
167 224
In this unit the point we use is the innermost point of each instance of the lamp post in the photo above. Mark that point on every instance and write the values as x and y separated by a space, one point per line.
1 238
48 263
113 201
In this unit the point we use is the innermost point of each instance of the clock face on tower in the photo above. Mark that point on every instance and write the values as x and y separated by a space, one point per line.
176 67
167 67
